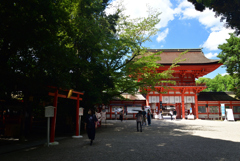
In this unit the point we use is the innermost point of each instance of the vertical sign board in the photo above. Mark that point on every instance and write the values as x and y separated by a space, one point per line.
81 111
49 112
230 116
223 109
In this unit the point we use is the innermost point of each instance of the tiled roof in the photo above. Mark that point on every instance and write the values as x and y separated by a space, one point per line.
193 56
216 96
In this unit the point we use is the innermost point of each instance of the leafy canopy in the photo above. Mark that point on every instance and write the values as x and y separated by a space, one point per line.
230 57
76 44
218 84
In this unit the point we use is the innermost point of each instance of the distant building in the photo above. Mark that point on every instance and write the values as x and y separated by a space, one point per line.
185 96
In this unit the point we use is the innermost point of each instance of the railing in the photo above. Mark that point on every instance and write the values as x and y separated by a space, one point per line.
182 84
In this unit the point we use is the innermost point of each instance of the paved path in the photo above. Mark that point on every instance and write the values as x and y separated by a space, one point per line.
163 140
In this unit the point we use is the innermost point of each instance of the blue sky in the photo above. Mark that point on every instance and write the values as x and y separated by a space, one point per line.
181 26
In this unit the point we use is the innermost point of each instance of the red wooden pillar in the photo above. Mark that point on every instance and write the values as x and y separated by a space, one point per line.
77 116
179 110
196 105
193 109
183 107
231 106
53 123
178 105
207 110
147 100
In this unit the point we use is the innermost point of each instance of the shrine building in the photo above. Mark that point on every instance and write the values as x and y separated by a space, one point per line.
185 96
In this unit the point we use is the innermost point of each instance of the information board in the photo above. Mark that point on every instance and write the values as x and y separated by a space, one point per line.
229 113
223 109
49 111
133 109
81 111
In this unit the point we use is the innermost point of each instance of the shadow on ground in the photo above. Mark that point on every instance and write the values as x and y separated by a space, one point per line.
163 140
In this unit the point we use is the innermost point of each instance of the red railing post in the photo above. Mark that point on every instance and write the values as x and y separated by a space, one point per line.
53 124
77 116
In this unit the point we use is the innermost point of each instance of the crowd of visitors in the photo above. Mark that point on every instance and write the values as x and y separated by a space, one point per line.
143 117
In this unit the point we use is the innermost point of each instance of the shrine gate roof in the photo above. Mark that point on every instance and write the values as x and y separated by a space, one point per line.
193 56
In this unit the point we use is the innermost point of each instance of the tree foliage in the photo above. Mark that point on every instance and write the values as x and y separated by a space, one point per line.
227 9
218 84
77 45
230 57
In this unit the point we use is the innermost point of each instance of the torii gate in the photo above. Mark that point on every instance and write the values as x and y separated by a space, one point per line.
69 95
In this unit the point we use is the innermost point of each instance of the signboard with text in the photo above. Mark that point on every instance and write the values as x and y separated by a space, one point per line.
81 111
230 116
223 109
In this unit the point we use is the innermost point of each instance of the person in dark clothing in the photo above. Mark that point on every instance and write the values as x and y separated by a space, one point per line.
91 124
139 120
144 117
121 116
175 114
149 117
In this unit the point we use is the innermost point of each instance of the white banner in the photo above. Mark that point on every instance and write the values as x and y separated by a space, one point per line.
230 116
131 109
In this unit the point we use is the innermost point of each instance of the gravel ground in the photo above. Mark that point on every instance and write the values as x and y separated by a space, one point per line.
163 140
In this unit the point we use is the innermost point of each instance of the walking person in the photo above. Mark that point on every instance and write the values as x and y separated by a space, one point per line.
149 117
121 116
116 111
175 114
160 114
171 113
144 117
139 120
91 124
98 115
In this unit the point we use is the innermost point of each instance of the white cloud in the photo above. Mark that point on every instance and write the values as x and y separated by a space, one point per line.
184 11
162 35
211 55
218 34
138 8
224 74
216 38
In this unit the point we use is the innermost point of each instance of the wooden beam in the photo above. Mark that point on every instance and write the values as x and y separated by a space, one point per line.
63 96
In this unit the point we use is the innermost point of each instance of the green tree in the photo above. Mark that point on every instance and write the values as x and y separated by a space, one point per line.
30 53
75 44
230 57
218 84
113 63
227 9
